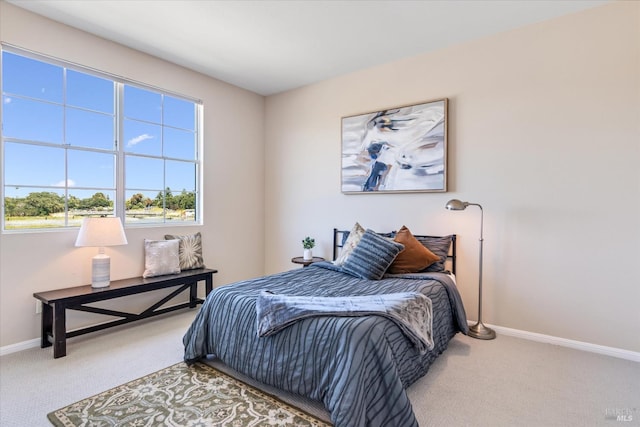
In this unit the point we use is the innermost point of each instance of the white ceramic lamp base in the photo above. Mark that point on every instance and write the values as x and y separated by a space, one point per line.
100 271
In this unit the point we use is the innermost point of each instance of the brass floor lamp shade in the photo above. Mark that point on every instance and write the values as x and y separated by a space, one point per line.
478 330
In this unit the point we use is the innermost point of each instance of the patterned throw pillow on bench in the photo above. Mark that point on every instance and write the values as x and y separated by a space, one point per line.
190 250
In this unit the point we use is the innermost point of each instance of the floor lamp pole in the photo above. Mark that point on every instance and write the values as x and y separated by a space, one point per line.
479 330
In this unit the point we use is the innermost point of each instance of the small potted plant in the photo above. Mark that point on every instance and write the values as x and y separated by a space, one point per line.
308 243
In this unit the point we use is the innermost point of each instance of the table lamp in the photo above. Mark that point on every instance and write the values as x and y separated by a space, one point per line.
479 330
100 232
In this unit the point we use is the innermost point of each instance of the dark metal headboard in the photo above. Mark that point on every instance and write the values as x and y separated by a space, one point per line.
339 237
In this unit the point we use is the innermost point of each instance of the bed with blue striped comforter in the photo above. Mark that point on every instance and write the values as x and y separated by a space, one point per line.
358 367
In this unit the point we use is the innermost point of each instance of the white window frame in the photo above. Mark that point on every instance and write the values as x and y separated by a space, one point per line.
119 151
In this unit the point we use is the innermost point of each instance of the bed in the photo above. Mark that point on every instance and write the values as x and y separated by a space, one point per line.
357 364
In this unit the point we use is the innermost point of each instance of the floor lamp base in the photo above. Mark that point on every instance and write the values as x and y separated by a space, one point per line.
481 332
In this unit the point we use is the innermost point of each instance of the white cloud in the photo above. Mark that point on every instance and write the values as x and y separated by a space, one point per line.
138 139
7 100
70 183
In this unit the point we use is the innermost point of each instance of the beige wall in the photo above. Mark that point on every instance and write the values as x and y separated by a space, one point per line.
544 133
233 174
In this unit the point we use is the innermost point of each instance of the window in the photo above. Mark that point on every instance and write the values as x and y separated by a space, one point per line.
77 143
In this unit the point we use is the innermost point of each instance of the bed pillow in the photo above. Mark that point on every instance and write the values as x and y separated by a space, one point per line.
161 257
439 246
352 241
372 256
345 236
414 258
190 250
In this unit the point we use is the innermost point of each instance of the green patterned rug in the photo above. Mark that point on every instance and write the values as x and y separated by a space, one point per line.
180 395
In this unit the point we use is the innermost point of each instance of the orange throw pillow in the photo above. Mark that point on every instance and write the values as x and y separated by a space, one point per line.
414 258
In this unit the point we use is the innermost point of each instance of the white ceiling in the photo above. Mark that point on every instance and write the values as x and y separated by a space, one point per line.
272 46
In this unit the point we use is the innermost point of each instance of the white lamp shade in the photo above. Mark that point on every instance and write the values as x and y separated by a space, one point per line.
100 232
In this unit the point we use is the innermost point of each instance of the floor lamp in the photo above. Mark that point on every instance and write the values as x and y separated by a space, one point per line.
478 330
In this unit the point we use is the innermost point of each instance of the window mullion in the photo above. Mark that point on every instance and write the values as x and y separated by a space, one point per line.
120 170
66 147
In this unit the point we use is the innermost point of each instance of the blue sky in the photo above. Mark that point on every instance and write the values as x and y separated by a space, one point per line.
36 107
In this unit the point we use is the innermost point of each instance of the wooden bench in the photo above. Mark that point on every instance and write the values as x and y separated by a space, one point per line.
56 302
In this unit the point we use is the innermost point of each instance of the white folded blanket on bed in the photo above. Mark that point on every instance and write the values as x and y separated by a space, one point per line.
411 311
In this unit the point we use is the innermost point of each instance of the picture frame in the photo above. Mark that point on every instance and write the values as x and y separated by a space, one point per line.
396 150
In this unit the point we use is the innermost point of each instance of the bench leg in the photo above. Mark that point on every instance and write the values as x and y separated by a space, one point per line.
209 284
59 331
193 294
46 325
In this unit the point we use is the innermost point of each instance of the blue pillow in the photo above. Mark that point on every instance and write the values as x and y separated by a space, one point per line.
439 246
372 256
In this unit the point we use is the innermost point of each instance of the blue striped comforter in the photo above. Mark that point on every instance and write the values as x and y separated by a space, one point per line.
358 367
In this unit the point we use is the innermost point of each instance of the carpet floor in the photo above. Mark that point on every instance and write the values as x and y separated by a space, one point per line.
503 382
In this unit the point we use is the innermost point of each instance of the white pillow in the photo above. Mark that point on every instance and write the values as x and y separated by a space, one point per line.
161 257
355 235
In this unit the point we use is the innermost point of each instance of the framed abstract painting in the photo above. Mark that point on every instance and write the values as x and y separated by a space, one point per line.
396 150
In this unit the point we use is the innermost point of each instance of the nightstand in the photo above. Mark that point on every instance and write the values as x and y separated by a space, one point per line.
306 262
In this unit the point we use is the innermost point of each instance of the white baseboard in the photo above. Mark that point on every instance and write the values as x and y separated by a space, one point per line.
24 345
532 336
578 345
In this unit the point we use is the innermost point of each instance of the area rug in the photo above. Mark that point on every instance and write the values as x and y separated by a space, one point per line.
181 395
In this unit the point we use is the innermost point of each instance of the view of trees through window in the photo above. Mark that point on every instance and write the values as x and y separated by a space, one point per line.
47 209
78 143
